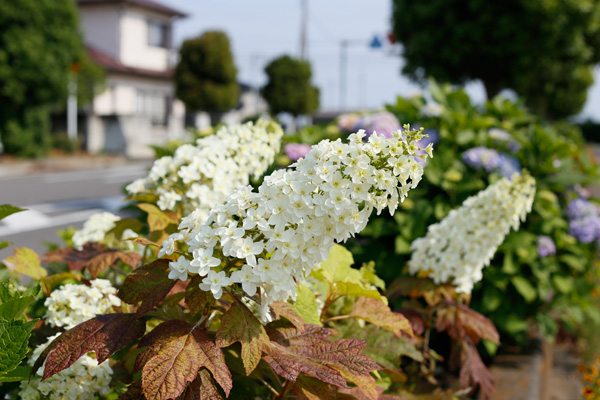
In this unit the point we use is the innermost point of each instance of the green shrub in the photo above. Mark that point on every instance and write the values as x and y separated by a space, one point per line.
28 135
519 288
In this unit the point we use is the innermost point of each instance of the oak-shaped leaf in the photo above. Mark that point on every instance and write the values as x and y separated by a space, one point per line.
460 321
176 352
378 313
95 257
240 325
292 352
201 388
473 371
365 387
105 335
14 336
27 262
196 299
158 220
287 311
149 284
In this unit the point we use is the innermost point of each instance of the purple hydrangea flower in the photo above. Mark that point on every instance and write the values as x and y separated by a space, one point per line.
584 221
545 246
296 151
491 161
581 208
384 123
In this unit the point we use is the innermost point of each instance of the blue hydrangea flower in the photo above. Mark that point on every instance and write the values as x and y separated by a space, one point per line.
384 123
492 161
545 246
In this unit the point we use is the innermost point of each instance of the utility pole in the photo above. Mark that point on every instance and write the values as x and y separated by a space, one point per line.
304 31
72 103
344 43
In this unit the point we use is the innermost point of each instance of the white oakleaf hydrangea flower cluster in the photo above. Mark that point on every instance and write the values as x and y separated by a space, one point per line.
73 304
200 177
457 248
84 380
273 238
94 229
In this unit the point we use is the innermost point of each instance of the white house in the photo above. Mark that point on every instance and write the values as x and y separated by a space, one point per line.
131 39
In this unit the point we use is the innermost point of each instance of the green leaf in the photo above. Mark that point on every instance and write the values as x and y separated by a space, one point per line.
338 266
157 219
306 305
4 245
563 284
7 209
240 325
577 263
356 289
524 288
491 299
14 336
27 262
11 309
149 284
21 373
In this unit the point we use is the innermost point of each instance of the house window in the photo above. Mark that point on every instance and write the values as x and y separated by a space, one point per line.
158 34
154 105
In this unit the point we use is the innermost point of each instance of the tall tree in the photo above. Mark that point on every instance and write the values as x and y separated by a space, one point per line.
39 41
289 87
543 50
205 77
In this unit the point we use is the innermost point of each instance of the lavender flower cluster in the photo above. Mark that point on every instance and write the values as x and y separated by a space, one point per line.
545 246
296 151
584 222
492 161
384 123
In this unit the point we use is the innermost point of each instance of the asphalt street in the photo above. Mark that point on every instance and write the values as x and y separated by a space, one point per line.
60 199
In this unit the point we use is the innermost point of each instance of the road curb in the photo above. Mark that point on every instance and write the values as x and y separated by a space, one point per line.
13 167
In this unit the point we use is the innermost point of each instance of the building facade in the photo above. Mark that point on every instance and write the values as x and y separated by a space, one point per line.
132 41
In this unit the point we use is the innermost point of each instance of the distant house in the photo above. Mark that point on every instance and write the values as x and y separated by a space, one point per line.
132 40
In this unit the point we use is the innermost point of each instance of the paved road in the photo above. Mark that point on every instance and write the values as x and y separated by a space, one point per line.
58 200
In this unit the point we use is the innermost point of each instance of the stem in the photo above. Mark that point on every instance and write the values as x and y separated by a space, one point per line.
281 395
337 318
268 386
328 303
145 255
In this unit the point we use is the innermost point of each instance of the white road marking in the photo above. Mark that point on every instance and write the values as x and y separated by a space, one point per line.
32 220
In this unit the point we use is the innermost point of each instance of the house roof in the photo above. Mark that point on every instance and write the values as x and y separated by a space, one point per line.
113 65
148 4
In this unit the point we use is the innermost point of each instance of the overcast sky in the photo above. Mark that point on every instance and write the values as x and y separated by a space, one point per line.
261 30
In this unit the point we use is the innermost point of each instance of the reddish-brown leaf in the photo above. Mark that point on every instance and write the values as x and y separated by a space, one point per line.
415 318
473 371
134 392
366 388
202 388
94 256
143 241
104 335
286 311
459 320
409 287
196 299
378 313
172 344
307 388
292 352
239 325
149 284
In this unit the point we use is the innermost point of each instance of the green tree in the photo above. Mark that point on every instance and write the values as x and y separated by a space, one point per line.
543 50
289 88
39 40
205 77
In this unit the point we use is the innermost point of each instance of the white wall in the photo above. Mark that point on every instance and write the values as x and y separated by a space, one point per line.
100 26
134 49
